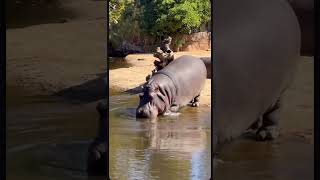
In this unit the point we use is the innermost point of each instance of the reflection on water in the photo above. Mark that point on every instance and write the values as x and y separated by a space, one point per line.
170 148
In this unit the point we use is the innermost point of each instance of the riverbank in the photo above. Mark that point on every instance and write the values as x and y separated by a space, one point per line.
131 78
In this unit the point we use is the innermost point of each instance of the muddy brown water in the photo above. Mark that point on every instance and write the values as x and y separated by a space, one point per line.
171 148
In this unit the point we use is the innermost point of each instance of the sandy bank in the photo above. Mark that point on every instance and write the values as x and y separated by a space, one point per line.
130 79
53 58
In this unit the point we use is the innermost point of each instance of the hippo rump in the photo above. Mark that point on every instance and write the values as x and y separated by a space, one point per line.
304 10
257 45
208 63
176 85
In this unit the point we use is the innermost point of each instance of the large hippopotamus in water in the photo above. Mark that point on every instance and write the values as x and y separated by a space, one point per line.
176 85
257 45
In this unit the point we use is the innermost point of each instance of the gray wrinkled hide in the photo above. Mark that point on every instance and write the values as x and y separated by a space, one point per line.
189 74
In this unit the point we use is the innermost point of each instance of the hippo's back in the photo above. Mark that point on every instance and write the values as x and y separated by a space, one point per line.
257 46
189 75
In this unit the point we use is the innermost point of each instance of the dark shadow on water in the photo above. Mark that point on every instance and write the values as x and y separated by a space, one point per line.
87 92
23 13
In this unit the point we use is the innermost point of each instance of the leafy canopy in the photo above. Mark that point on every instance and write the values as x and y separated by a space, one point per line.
171 17
116 9
132 20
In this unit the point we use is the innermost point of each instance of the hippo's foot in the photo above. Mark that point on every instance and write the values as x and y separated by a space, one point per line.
269 129
195 104
268 133
148 77
195 101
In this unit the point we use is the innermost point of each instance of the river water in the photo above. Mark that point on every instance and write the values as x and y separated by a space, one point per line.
170 148
48 138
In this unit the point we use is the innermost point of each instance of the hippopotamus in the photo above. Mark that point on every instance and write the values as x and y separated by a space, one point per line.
257 45
176 85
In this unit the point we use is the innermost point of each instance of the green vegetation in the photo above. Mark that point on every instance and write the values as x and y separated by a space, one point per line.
123 22
136 20
174 17
116 9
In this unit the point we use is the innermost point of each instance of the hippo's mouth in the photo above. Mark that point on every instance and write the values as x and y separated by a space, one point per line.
147 111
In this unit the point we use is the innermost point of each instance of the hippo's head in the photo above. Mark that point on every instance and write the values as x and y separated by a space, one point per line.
152 102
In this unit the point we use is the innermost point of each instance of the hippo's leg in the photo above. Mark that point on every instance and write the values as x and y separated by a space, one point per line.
256 125
148 77
195 101
270 128
173 110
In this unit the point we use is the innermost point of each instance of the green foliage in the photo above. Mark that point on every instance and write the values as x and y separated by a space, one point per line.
124 22
116 9
172 17
134 20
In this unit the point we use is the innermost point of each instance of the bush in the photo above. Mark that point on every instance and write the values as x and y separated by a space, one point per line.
174 17
139 20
